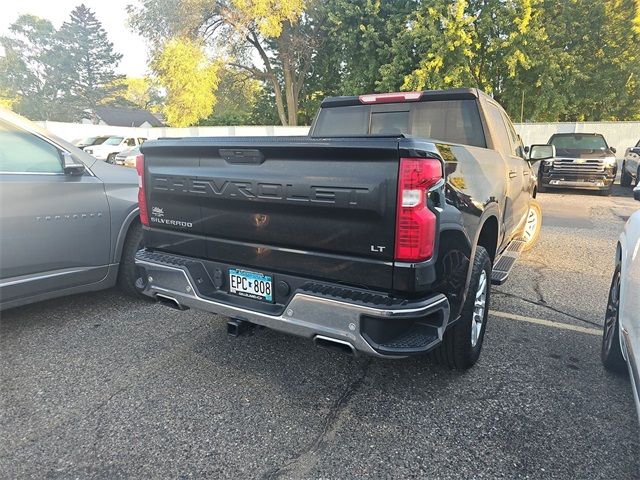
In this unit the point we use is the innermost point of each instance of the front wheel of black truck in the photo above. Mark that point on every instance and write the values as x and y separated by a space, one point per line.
462 343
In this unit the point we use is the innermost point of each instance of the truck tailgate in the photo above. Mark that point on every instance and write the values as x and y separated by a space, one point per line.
280 204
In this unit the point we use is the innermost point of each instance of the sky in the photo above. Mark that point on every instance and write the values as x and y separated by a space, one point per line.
112 14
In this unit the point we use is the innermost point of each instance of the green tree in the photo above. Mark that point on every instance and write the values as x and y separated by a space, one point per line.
237 95
144 93
272 40
190 80
28 68
355 41
88 61
570 60
592 62
478 43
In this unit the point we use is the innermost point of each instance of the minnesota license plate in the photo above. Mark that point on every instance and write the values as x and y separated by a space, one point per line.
251 285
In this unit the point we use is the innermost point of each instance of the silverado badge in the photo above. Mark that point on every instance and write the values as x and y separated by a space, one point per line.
157 212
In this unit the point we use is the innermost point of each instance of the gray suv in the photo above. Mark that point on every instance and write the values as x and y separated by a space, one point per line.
68 223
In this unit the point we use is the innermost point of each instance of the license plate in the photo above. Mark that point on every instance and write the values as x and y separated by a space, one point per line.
251 285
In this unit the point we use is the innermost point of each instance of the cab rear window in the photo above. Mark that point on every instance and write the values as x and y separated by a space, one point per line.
450 121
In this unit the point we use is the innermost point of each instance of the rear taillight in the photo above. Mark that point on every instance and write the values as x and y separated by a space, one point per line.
415 222
142 199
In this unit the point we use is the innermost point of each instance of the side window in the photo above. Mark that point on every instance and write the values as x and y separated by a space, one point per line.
22 152
501 135
513 136
131 142
141 141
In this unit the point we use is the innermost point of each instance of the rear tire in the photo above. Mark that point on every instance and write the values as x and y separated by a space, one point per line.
111 158
127 274
462 343
611 353
625 177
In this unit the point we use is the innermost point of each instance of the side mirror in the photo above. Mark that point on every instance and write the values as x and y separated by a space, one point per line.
636 193
612 149
526 150
541 152
71 166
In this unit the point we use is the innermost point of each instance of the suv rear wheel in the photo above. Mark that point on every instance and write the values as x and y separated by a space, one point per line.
611 353
128 279
625 177
462 343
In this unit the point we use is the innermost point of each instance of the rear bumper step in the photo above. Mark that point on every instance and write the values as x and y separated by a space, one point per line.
395 330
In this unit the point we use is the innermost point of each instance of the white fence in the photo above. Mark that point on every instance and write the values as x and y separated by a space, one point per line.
618 134
73 131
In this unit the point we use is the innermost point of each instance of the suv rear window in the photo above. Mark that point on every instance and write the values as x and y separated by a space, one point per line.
451 121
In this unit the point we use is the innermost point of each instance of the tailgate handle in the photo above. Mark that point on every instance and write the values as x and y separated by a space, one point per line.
242 156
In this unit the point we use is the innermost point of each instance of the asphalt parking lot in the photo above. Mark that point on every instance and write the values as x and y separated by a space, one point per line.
100 386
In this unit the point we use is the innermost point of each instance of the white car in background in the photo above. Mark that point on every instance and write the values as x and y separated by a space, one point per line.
621 333
630 166
111 147
127 158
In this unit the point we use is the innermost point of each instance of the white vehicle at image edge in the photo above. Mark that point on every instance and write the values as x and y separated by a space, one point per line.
621 333
630 166
111 147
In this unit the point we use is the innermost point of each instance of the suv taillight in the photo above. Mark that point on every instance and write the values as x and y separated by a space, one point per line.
142 199
415 222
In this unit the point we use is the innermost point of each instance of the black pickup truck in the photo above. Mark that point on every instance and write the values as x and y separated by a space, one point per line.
379 233
580 160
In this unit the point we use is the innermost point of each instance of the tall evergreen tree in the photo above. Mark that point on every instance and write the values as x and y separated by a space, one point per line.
28 66
88 61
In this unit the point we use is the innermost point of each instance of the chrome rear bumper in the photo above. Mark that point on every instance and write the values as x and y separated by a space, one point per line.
310 315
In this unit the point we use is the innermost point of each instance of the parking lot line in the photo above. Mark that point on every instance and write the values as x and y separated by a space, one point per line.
548 323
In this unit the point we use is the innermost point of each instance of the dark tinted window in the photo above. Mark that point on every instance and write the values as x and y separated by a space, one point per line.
452 121
513 136
389 123
501 134
343 121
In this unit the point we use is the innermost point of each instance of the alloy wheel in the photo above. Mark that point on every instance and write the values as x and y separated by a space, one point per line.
479 307
611 318
532 225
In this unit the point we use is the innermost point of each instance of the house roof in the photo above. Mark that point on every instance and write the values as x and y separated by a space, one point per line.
127 117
